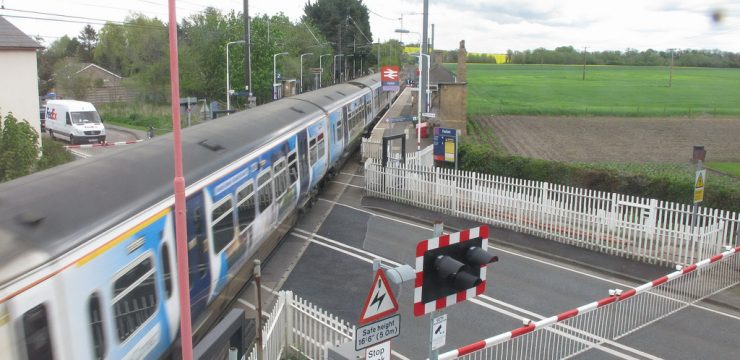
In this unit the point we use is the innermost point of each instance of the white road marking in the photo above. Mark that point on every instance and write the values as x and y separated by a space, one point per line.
79 153
528 257
369 256
350 174
346 184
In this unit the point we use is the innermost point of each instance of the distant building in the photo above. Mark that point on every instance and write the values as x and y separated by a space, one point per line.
19 92
104 85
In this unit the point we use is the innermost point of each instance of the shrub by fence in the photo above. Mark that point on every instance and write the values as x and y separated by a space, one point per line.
482 159
639 228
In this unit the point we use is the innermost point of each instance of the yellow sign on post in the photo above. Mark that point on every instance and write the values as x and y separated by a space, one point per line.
701 177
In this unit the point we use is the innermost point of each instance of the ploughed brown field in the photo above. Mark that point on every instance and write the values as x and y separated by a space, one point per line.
615 139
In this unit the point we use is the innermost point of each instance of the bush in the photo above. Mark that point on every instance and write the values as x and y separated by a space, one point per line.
54 154
669 183
18 148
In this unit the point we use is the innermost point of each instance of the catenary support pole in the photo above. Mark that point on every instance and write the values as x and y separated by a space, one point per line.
248 50
186 337
424 74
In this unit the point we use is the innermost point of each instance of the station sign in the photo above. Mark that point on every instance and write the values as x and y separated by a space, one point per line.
390 78
445 144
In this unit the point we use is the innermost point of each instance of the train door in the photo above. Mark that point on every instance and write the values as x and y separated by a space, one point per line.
200 274
368 108
303 166
345 121
37 317
336 133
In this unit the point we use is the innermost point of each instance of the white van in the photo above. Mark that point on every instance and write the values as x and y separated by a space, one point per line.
76 121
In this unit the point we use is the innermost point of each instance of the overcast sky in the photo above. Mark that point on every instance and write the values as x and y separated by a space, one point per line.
491 26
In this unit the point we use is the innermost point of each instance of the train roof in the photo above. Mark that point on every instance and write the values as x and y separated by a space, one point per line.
47 214
334 96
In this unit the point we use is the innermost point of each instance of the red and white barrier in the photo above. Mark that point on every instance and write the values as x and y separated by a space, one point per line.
616 298
104 144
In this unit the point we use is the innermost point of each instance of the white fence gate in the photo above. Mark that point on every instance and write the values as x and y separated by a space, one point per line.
643 229
301 327
602 322
371 149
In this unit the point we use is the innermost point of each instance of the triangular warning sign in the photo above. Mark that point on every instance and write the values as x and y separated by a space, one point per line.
699 180
380 301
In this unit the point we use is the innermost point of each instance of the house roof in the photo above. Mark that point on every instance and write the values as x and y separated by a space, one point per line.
13 38
86 66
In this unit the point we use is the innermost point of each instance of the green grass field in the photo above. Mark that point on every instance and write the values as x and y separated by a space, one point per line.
727 168
607 90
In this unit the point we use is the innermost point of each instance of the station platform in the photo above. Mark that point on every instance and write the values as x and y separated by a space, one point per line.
400 119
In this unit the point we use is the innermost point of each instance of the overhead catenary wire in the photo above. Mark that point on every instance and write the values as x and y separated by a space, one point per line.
86 22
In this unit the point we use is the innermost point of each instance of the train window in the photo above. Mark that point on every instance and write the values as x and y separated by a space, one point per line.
223 225
264 193
293 167
320 146
277 169
36 334
96 326
339 132
167 270
312 151
246 211
134 298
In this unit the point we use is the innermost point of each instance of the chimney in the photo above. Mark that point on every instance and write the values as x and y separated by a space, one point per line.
462 70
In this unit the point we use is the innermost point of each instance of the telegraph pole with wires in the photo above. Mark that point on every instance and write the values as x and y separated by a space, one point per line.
251 100
584 62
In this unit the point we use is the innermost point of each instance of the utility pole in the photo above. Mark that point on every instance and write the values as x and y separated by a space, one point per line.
379 44
431 59
424 49
339 50
670 72
251 100
584 62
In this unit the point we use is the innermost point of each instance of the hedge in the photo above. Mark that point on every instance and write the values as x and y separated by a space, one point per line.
721 192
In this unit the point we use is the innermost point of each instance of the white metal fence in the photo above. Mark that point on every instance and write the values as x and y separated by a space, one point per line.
601 322
647 230
302 327
372 149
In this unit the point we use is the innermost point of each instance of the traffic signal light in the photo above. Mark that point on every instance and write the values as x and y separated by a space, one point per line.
454 267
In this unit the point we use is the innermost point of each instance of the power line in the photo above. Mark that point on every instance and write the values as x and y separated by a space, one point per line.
58 15
86 22
381 16
358 28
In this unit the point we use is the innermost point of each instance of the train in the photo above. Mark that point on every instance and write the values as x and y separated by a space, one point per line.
87 249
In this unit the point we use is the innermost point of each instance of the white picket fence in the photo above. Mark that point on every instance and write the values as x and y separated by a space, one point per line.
647 230
297 325
372 149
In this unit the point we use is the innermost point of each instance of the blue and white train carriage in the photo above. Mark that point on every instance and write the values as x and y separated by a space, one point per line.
87 250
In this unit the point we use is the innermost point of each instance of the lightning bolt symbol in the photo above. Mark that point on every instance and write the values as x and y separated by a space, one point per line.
378 299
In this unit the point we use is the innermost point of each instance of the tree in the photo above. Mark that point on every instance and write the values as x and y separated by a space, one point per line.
62 48
18 148
88 38
110 51
344 22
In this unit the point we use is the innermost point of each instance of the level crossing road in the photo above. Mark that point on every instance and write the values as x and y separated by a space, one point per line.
327 260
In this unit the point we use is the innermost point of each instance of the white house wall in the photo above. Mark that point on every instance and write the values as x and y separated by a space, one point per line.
19 91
